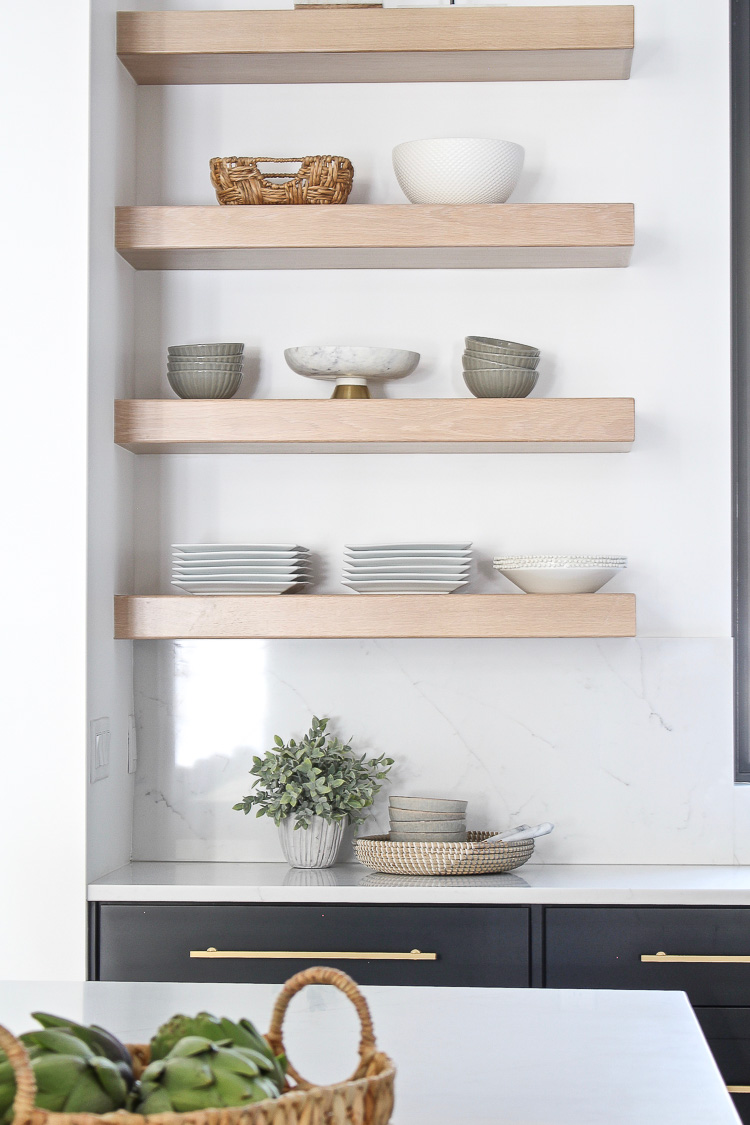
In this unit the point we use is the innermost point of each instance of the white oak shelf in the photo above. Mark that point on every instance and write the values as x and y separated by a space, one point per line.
329 616
367 236
388 45
530 425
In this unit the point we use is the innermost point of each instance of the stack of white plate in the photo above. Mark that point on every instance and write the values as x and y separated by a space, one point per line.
560 574
407 568
240 568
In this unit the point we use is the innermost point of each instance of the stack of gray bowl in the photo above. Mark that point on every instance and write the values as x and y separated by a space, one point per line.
427 820
205 370
499 368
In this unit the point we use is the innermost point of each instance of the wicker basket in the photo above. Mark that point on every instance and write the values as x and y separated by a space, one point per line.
364 1099
415 858
320 179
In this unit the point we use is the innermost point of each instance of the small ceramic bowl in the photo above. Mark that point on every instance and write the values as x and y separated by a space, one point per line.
457 170
408 816
502 359
496 382
428 826
207 365
427 837
206 349
427 804
204 384
483 363
483 343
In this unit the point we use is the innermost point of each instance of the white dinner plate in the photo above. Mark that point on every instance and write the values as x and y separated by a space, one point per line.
243 576
237 548
417 574
409 548
240 587
455 566
402 587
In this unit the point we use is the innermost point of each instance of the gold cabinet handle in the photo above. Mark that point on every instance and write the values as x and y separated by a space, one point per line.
693 959
263 954
739 1089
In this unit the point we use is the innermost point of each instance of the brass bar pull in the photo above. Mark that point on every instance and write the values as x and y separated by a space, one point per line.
739 1089
262 954
693 959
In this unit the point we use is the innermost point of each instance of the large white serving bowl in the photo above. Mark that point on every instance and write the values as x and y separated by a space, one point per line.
457 170
351 366
560 580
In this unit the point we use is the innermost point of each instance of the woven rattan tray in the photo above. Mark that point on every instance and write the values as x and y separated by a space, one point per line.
365 1099
382 854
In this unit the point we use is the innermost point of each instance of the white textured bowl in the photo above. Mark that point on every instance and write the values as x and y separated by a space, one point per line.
499 382
204 384
560 580
457 170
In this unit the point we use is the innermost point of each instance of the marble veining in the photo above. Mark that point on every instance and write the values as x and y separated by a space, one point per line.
624 744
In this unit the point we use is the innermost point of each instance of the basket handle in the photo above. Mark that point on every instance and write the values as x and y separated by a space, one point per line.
320 974
25 1081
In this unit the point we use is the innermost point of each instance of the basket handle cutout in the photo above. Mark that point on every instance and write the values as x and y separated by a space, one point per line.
25 1082
320 974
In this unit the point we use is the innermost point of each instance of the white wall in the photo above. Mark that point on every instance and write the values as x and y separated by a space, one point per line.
44 91
626 745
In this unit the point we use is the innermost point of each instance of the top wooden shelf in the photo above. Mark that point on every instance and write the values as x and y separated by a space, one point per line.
378 45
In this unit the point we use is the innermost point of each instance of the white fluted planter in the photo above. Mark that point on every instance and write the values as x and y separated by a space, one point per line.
313 847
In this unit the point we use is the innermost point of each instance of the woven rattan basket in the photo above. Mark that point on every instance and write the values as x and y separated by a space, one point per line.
364 1099
382 854
320 179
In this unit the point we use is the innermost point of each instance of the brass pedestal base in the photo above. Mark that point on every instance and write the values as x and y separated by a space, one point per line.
348 390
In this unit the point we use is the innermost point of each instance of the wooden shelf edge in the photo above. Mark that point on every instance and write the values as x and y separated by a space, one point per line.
337 616
376 425
378 236
391 45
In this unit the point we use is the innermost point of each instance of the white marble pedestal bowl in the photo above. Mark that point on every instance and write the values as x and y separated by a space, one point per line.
351 368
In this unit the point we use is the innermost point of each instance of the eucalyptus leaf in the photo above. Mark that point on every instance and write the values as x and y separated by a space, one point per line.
319 775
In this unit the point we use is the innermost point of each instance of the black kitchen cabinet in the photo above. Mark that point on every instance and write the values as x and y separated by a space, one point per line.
728 1033
601 947
479 946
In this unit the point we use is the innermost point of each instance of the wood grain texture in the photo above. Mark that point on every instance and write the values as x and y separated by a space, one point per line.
376 236
389 45
369 615
387 425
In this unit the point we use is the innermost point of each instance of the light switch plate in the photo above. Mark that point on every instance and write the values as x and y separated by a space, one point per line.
99 743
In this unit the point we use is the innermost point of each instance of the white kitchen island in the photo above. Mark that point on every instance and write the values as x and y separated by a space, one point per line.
464 1056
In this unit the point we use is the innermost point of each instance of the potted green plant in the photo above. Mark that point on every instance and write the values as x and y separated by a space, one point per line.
313 788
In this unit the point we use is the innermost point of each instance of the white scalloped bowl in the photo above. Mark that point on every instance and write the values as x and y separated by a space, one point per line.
457 170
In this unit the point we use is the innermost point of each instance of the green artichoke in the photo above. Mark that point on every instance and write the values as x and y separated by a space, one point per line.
70 1077
101 1042
243 1034
202 1073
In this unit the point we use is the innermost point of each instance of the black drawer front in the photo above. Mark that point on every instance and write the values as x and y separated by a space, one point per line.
475 946
728 1033
601 947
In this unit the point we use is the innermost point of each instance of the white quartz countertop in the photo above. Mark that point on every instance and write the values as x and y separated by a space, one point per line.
350 882
479 1055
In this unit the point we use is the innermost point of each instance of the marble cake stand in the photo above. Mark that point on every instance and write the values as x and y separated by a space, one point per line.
351 368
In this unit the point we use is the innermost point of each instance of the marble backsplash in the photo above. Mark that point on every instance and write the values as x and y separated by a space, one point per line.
625 744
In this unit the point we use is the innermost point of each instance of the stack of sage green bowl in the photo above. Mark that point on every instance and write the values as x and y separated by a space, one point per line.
427 820
499 368
205 370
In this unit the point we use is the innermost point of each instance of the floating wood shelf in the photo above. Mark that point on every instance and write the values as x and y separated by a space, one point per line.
390 45
448 425
366 236
370 615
